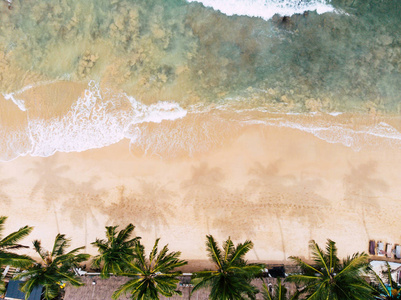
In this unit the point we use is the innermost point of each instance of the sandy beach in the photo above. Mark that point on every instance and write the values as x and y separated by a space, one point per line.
278 187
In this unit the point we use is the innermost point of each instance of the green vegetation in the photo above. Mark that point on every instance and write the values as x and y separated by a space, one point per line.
54 270
154 276
233 275
116 252
10 242
328 278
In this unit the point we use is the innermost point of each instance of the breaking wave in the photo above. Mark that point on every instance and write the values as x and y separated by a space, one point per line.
98 119
266 9
102 117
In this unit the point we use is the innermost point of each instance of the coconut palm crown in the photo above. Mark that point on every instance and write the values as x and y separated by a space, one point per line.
328 278
54 270
233 275
10 242
153 276
116 251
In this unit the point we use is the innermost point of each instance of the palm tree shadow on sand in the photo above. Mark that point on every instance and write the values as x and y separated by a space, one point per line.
204 192
149 208
361 188
286 196
230 211
84 204
51 183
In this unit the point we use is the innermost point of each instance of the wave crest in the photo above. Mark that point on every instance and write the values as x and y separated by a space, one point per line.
266 9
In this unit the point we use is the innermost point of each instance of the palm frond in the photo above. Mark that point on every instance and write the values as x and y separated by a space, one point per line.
110 233
304 266
318 255
125 233
153 253
60 243
228 248
356 263
15 260
2 221
213 250
331 251
37 245
302 279
206 280
71 278
381 283
140 255
11 239
240 251
161 257
388 273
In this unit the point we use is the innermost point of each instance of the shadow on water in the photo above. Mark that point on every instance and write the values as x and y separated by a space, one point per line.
149 208
84 202
286 196
361 190
51 183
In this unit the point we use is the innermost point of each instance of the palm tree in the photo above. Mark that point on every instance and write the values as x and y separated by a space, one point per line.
328 278
54 270
280 292
389 291
152 276
233 275
116 252
10 242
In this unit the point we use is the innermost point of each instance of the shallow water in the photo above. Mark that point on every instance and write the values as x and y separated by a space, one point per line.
178 77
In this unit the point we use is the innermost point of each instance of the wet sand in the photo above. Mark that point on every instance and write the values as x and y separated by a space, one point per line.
278 187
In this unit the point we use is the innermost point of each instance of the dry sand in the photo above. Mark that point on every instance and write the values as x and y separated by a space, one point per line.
278 187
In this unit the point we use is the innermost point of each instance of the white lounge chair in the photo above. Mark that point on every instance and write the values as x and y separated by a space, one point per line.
380 249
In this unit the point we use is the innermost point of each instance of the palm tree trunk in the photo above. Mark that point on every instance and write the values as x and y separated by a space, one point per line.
56 217
364 222
282 234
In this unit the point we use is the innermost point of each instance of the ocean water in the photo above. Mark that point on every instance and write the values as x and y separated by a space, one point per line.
180 77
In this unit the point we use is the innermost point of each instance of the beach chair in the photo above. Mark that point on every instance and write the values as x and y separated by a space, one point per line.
389 248
397 251
380 249
372 246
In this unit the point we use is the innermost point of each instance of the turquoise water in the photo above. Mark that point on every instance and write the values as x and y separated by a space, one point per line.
344 56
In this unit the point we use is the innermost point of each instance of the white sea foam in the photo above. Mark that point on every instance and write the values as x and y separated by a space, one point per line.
266 8
378 135
21 103
18 102
100 118
97 119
